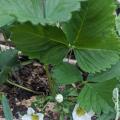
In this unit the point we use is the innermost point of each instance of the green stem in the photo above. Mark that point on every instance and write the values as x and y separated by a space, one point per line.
44 9
24 88
50 81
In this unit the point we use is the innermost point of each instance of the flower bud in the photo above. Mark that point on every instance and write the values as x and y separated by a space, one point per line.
59 98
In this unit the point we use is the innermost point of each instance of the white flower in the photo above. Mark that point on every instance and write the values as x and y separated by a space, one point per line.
32 116
59 98
118 1
80 114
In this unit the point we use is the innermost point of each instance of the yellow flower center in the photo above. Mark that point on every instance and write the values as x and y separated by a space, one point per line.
80 111
35 117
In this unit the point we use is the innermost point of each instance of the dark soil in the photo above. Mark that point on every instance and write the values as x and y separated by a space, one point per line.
31 76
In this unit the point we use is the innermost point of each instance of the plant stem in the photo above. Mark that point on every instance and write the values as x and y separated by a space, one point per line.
24 88
44 9
50 81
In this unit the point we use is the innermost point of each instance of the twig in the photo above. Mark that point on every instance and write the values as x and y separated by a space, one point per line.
24 88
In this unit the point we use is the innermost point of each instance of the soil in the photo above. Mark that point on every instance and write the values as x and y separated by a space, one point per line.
33 77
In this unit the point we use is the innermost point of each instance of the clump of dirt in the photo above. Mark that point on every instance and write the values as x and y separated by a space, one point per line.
33 76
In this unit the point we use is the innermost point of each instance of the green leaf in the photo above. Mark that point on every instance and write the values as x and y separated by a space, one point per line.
5 20
6 109
96 60
8 59
48 44
113 72
95 44
37 11
4 75
92 36
107 116
66 74
97 96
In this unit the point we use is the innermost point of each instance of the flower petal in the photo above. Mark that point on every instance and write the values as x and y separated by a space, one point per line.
41 116
30 111
86 116
26 117
91 113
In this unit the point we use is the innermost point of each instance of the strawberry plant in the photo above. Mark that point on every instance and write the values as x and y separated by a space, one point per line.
52 31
